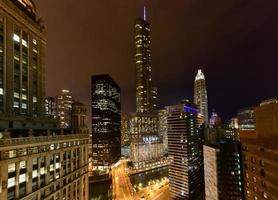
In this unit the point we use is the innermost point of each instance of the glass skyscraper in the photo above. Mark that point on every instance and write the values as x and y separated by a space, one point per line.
106 122
185 151
200 94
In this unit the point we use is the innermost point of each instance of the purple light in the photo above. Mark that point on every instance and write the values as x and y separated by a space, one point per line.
191 110
145 13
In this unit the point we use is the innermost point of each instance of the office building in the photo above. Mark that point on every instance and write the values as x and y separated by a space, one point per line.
200 95
223 171
185 150
260 154
106 122
50 107
246 119
38 161
63 105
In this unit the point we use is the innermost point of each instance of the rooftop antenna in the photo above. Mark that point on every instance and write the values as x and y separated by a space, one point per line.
145 13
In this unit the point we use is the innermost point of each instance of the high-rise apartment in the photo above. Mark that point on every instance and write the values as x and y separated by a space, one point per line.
63 108
162 128
223 170
38 161
106 122
200 94
260 154
185 151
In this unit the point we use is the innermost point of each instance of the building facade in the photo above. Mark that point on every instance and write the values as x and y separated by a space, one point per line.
63 108
50 164
185 151
50 107
125 130
106 122
162 128
200 94
22 58
246 119
223 171
260 154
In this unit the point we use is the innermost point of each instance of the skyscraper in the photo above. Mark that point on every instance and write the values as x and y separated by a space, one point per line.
38 161
223 170
63 105
185 151
200 94
22 55
246 119
146 147
106 122
146 93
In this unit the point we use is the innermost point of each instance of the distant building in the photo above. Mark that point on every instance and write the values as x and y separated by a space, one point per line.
37 160
50 107
223 171
106 122
215 120
186 172
260 154
233 123
162 127
125 130
200 95
63 106
246 119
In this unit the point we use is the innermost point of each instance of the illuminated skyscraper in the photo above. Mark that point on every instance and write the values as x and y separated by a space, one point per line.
185 150
63 105
146 147
146 93
106 122
200 94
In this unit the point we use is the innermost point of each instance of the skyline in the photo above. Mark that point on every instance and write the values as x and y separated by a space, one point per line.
253 46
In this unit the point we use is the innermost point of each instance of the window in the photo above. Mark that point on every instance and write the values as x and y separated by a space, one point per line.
265 195
11 168
16 38
11 182
22 178
12 153
22 165
35 173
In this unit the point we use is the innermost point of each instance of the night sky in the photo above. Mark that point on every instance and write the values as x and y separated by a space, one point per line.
235 42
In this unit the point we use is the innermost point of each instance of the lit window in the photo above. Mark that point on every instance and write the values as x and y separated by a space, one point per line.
12 154
11 182
42 171
16 95
265 195
34 99
1 91
16 104
24 43
16 38
22 178
22 165
35 173
24 105
34 41
11 167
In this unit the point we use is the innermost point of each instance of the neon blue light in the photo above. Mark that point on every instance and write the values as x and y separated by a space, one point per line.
191 110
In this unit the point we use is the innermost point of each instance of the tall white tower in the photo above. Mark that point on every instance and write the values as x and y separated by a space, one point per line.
200 94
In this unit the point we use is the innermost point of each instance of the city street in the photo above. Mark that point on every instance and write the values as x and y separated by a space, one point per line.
122 188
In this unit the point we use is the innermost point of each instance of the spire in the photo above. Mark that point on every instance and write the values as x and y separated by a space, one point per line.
199 75
145 13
